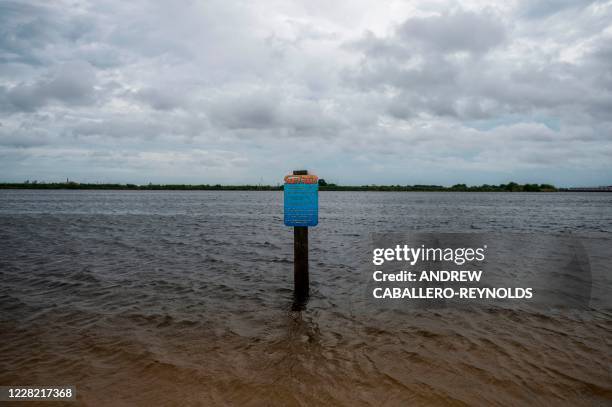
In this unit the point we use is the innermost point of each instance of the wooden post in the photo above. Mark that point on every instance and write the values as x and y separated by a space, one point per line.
301 281
300 262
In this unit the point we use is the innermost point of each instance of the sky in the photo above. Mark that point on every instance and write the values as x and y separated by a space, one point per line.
357 92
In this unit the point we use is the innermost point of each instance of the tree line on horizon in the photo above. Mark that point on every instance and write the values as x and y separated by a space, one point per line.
323 186
509 187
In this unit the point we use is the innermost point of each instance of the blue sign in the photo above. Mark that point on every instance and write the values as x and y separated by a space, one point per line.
301 201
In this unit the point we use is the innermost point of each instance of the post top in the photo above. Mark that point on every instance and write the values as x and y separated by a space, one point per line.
300 172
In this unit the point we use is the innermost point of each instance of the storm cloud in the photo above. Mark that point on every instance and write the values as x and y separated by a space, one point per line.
236 92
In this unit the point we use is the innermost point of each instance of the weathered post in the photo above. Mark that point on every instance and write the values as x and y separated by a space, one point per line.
301 279
301 204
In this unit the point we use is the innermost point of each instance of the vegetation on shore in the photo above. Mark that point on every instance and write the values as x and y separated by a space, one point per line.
323 186
509 187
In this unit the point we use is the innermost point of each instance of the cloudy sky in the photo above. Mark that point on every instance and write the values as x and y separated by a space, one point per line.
359 92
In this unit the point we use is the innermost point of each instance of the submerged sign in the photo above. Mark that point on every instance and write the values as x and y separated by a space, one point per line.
301 196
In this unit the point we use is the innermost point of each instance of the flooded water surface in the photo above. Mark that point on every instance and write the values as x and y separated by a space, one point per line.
185 298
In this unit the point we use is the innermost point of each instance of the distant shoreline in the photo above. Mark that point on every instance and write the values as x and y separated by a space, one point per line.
510 187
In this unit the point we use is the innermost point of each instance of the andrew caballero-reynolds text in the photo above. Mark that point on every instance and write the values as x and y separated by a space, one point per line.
459 256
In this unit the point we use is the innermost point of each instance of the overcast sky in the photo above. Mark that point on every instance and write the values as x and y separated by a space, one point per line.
359 92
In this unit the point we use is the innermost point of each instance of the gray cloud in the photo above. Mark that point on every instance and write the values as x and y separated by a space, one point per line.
546 8
70 83
23 137
255 111
232 92
430 81
29 31
161 99
457 31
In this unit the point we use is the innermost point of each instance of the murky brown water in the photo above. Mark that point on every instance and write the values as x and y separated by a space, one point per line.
168 298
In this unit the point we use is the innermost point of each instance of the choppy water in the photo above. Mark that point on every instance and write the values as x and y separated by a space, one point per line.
185 298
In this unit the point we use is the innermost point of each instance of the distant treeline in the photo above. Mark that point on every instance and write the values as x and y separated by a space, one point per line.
510 187
174 187
323 186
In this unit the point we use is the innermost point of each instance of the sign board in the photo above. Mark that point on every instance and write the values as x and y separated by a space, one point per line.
301 196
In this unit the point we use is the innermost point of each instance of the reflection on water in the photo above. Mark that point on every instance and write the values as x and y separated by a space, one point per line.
185 298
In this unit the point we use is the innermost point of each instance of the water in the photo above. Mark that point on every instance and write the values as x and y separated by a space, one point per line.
185 298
